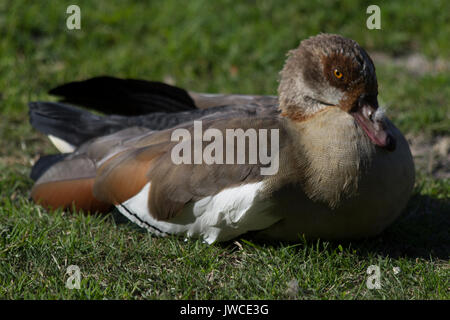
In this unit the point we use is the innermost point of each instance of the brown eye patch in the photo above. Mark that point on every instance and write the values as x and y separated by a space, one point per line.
341 71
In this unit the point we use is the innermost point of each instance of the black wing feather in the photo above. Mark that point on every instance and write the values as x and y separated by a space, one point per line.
127 97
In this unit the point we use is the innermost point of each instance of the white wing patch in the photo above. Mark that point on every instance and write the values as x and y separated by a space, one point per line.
221 217
61 145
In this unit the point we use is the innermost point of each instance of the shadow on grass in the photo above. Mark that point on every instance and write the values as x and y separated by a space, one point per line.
422 231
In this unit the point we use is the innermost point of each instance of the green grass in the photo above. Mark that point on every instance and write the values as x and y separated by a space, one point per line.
225 46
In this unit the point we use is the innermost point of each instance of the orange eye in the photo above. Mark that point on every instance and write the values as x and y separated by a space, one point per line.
337 73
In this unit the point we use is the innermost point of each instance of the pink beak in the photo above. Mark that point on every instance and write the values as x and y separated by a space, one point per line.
374 128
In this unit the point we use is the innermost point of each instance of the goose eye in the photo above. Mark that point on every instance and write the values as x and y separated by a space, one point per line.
337 73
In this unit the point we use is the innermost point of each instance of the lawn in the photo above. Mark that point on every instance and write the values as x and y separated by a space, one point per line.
219 46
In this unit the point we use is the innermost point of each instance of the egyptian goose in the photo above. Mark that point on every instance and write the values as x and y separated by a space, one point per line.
342 169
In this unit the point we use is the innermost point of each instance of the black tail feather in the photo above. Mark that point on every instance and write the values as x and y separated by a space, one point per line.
127 97
71 124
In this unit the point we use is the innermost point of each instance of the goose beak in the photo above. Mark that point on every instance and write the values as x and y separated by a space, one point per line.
371 120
